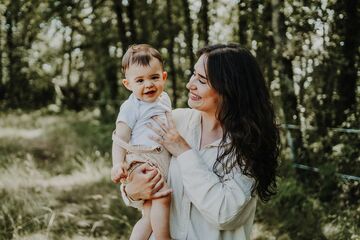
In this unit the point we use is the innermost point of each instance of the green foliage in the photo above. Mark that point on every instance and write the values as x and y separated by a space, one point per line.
293 212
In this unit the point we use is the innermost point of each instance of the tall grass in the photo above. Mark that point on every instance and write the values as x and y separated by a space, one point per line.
54 179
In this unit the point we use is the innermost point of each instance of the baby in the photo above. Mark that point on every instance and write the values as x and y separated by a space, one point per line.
132 147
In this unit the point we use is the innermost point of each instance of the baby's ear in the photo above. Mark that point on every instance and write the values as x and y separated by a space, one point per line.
125 82
164 75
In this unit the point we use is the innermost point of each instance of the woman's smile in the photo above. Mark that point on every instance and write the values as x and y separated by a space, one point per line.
194 97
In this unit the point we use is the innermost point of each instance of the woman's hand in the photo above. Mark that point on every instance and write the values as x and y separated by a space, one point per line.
168 136
145 183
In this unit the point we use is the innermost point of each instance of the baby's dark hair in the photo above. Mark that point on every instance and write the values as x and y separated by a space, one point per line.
140 54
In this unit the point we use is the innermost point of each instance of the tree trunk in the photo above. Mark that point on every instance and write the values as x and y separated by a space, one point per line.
2 88
144 17
171 53
188 33
204 18
348 73
118 8
131 16
243 23
68 77
156 35
12 78
284 63
110 73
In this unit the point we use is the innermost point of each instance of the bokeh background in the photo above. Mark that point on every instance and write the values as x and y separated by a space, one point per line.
60 92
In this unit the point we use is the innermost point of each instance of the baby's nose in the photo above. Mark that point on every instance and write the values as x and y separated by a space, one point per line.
149 83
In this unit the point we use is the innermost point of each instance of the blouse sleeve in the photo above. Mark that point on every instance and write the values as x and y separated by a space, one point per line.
227 204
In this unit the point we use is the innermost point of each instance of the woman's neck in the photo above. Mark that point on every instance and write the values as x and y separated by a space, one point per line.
211 129
210 122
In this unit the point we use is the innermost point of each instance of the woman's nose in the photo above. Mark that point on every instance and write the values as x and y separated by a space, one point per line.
190 84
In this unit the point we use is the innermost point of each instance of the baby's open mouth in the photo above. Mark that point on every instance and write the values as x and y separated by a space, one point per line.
150 92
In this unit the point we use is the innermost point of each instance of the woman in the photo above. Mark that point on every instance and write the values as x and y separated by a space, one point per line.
224 149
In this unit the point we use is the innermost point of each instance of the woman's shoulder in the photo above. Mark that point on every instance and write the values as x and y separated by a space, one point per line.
178 112
183 116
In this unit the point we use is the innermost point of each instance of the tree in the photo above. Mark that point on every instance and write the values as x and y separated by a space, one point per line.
204 22
132 19
243 22
118 8
188 32
170 48
285 69
346 84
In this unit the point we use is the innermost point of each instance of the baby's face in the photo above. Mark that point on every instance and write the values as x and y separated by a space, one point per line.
146 82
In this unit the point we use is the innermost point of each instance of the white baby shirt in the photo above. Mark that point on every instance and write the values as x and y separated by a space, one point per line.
136 114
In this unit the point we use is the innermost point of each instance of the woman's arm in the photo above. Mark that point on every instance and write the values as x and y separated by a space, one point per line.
226 204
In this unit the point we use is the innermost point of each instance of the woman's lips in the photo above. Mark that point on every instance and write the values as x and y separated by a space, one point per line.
194 97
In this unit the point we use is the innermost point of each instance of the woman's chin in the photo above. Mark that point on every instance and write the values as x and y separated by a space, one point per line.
194 104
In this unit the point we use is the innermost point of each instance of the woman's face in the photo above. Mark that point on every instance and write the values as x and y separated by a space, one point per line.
202 96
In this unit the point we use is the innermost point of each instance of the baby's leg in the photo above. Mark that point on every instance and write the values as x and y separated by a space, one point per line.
142 228
159 216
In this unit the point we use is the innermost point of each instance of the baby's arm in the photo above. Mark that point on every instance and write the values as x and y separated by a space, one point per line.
118 171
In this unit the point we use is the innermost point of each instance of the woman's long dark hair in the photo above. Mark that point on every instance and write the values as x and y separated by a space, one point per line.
246 116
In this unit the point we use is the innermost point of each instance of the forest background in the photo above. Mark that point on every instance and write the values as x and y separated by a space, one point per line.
60 93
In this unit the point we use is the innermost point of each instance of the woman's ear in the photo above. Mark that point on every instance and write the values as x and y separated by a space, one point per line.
126 83
164 75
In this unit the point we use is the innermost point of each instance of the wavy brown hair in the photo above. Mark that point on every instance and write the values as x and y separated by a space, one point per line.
246 116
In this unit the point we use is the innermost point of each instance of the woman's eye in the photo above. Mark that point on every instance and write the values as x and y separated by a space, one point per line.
202 81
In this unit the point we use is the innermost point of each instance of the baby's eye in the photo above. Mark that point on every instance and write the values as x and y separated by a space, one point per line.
139 80
155 78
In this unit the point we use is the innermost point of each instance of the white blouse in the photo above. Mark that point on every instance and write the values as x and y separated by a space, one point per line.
202 205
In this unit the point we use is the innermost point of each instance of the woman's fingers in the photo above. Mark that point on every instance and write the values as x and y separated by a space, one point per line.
170 120
153 181
161 124
158 186
152 175
157 139
161 194
143 168
158 131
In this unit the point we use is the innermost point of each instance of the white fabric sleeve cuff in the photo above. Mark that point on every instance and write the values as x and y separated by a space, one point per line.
185 155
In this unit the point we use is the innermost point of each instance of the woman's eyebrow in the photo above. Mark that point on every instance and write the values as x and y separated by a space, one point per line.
201 76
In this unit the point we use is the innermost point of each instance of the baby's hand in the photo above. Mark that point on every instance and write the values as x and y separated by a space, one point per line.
119 173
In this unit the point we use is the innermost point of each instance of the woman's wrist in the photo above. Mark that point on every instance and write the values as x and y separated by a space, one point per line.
184 148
